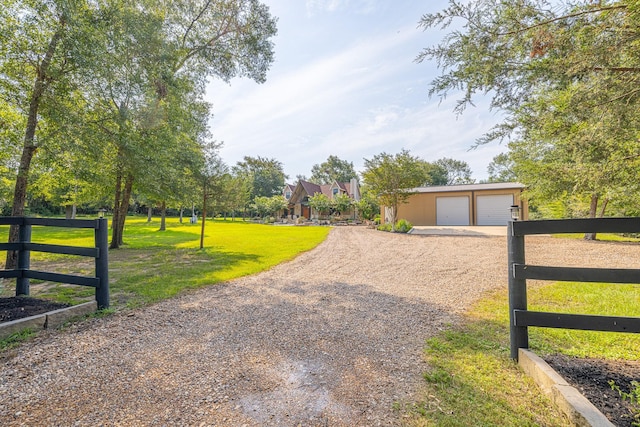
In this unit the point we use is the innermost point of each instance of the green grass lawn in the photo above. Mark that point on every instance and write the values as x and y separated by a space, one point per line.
154 265
473 381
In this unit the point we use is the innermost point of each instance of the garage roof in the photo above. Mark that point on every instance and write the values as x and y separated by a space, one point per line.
469 187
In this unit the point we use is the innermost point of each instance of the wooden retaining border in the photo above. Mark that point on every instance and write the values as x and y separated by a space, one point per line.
50 320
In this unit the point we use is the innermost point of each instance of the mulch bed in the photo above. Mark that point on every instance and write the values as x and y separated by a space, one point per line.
591 377
14 308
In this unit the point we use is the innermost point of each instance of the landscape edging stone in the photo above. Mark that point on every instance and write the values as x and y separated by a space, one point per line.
52 319
580 411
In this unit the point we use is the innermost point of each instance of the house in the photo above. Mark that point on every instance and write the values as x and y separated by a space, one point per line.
468 204
299 198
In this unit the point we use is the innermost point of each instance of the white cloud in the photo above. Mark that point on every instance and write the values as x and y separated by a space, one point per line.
350 90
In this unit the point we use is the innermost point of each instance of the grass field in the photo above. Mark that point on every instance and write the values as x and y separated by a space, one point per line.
154 265
473 381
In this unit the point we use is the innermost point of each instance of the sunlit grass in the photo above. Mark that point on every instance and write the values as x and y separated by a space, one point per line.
473 381
154 265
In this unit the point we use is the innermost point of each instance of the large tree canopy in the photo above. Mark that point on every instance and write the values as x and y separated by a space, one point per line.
122 82
567 75
333 169
392 177
266 175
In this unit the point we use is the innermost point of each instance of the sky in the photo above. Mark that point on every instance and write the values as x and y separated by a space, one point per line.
345 82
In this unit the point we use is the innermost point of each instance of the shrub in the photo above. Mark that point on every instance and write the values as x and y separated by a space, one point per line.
403 226
384 227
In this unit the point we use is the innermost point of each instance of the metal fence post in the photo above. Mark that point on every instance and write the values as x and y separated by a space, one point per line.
24 260
519 335
102 263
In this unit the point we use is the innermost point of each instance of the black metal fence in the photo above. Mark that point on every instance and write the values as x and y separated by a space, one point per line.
520 272
24 247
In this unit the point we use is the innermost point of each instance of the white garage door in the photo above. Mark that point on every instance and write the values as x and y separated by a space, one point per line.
494 210
452 210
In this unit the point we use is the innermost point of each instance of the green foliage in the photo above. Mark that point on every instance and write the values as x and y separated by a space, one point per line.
470 363
403 226
341 203
568 98
385 227
16 339
269 205
320 203
458 171
391 178
501 169
367 207
333 170
265 175
633 396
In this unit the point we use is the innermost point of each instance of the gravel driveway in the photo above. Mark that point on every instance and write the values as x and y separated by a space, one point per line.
334 337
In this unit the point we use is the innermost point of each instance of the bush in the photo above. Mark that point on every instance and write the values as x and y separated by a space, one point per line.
403 226
384 227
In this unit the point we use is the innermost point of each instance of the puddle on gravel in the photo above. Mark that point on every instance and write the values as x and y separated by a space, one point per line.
301 397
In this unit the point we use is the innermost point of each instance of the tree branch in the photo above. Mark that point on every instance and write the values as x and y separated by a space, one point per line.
560 18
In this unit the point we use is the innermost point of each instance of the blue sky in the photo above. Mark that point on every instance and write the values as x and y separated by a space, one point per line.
344 82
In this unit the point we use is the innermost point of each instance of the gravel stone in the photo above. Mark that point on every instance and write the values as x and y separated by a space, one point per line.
334 337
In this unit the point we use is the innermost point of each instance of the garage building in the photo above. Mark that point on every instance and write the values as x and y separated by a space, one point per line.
469 204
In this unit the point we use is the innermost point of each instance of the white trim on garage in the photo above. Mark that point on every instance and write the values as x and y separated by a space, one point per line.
452 210
493 209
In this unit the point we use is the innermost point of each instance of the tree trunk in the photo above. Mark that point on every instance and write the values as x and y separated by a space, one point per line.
74 211
204 217
124 205
181 213
116 214
68 211
149 213
29 147
121 206
593 209
163 216
605 202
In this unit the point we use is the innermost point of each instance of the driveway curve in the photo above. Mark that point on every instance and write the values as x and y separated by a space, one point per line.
334 337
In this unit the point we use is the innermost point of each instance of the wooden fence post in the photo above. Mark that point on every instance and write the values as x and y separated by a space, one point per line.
519 335
102 262
24 260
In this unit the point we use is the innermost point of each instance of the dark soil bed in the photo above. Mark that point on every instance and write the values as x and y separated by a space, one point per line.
14 308
591 377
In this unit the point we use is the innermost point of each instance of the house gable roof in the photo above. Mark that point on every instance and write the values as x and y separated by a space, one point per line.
306 188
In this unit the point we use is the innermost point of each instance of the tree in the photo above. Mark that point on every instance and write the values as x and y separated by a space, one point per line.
211 176
341 203
458 171
391 178
367 207
320 203
501 169
266 175
563 77
333 169
435 174
36 56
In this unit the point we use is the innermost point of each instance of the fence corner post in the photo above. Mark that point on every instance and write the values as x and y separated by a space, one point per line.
519 335
24 259
102 262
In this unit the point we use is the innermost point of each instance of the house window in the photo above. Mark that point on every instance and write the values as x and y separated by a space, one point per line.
287 195
335 191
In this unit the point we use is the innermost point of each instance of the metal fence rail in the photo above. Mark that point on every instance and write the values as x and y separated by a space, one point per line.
24 247
520 272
